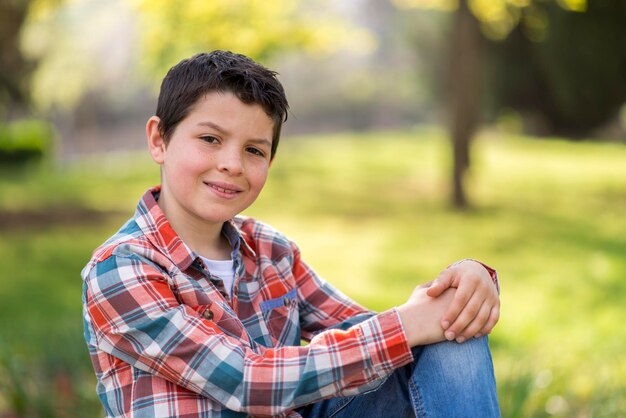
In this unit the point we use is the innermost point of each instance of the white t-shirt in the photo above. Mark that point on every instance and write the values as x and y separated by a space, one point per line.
222 269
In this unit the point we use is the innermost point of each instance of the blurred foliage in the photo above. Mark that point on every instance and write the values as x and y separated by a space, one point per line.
83 45
80 46
173 30
25 140
46 382
498 17
371 217
560 64
570 78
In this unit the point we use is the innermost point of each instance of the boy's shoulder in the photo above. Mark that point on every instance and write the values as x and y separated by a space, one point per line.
123 242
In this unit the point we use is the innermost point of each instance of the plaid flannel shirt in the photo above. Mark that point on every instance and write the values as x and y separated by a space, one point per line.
166 341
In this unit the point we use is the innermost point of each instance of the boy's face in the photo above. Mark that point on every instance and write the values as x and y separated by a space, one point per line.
216 161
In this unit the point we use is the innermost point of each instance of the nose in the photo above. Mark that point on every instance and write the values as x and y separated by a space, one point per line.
230 161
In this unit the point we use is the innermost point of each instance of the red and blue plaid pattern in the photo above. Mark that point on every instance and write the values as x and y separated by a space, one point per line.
165 340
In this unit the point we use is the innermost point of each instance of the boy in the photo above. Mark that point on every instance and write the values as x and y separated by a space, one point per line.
192 310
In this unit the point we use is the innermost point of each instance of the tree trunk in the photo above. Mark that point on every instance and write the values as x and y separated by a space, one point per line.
465 93
14 69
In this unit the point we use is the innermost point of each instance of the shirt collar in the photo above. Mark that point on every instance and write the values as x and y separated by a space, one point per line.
160 233
237 238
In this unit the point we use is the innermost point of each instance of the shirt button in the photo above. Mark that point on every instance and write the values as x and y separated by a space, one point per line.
207 314
286 301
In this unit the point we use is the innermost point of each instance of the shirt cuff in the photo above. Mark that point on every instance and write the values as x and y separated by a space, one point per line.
386 342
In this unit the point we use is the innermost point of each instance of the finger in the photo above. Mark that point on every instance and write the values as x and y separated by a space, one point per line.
492 321
424 285
461 299
441 283
477 324
467 315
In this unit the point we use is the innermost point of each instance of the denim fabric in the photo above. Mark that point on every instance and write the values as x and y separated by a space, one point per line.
447 380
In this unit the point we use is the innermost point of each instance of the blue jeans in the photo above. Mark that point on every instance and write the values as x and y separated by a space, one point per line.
447 380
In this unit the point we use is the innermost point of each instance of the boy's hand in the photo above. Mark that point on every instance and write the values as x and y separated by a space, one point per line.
421 316
475 308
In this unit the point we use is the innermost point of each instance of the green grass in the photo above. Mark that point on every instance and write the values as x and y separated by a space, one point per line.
370 212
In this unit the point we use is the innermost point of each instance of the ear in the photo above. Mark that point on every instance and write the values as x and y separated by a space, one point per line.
156 143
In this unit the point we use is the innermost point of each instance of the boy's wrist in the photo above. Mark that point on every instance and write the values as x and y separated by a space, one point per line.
407 316
421 323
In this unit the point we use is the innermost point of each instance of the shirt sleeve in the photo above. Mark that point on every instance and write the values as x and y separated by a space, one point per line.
322 306
136 318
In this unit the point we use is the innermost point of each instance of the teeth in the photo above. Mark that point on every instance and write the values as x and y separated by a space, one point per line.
220 189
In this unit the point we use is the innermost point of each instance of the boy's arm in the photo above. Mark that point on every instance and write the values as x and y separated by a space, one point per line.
136 318
322 306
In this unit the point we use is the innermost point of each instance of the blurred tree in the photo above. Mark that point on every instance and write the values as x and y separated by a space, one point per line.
464 78
475 22
15 66
566 72
14 69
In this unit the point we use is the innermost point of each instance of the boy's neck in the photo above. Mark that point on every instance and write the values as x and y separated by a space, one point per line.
204 239
220 249
207 242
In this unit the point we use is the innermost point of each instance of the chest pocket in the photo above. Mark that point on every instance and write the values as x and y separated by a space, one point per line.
281 317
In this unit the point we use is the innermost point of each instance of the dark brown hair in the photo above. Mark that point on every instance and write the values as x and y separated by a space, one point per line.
220 71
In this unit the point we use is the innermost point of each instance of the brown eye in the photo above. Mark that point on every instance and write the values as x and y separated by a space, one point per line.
210 139
255 151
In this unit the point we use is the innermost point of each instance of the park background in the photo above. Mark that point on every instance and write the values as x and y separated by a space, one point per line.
420 132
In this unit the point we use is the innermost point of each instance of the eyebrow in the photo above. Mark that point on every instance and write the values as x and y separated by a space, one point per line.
225 132
214 126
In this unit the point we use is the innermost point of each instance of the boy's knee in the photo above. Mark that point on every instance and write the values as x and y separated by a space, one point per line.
465 362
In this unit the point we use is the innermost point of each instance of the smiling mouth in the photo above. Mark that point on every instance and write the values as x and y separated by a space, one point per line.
223 189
